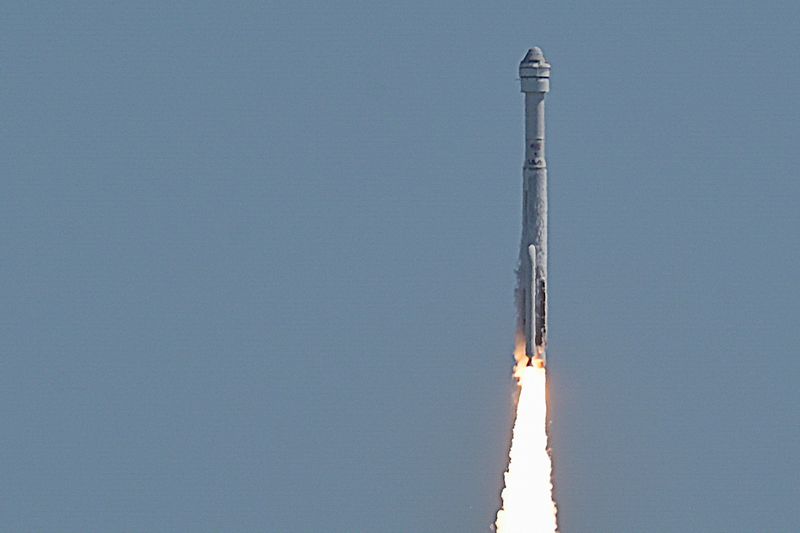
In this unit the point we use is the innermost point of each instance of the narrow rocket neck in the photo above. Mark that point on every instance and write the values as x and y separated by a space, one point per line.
534 131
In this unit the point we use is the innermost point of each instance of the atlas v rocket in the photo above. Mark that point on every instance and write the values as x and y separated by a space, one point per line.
534 74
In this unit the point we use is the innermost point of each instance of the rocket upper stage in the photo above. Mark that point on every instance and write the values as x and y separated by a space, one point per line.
534 73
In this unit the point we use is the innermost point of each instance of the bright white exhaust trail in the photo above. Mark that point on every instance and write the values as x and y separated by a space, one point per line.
528 505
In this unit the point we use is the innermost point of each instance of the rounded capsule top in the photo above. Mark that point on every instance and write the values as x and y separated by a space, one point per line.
534 54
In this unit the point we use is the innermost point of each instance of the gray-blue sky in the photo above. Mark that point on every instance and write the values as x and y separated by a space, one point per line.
258 264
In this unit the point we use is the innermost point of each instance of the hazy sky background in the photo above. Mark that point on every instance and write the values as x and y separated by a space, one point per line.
258 264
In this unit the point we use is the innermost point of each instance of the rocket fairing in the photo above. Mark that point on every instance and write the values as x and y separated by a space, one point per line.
534 73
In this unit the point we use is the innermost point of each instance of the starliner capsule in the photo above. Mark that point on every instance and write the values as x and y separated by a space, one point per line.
534 74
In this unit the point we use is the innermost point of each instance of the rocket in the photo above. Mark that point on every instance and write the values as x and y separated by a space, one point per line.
534 74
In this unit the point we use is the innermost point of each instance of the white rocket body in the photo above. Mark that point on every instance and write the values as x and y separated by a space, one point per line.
534 73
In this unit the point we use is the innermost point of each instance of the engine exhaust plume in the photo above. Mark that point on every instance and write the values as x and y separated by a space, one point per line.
528 505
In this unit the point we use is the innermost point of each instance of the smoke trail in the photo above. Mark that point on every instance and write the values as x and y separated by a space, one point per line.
528 505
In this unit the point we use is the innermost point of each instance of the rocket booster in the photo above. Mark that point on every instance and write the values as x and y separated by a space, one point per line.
534 73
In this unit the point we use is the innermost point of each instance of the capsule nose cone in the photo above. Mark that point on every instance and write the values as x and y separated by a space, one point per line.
534 54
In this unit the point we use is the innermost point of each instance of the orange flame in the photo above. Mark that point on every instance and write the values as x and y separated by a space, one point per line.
520 357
